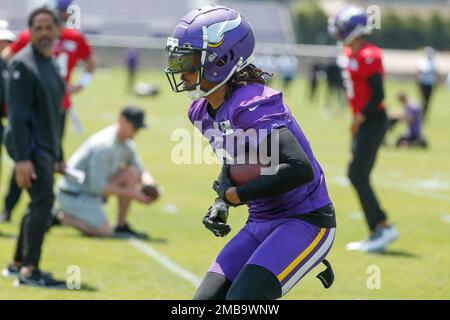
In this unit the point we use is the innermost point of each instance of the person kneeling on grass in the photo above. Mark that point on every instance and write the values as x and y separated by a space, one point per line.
412 116
110 166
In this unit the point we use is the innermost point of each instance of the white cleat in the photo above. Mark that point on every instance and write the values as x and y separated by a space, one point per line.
377 242
356 246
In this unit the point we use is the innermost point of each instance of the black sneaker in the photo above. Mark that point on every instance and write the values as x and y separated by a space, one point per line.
11 270
39 279
5 216
126 232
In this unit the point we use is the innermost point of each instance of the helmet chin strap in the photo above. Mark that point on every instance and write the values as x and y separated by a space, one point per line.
198 93
359 31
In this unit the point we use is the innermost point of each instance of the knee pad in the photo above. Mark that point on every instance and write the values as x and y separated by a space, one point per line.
255 283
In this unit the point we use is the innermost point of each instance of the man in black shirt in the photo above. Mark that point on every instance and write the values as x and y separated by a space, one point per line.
35 93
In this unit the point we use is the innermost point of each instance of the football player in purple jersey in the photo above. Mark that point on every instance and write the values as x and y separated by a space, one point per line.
291 224
412 116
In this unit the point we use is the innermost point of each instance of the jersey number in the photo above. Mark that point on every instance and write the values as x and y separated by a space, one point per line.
63 63
348 83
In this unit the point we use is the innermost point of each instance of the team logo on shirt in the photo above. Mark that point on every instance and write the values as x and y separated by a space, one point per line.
368 60
253 108
16 75
353 64
69 45
226 128
217 31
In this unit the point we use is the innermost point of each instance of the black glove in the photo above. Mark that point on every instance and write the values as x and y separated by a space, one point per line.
223 184
216 218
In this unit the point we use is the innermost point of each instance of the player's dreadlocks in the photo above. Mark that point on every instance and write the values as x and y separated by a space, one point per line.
250 74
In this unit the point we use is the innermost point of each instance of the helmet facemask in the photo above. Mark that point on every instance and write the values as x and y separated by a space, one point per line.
181 60
186 59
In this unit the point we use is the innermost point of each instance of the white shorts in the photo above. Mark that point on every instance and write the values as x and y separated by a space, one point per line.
84 207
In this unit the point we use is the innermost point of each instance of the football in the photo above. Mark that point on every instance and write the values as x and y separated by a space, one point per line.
151 191
243 173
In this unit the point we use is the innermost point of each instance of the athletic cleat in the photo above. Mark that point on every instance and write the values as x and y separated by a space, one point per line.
5 216
126 232
356 246
13 271
40 280
377 242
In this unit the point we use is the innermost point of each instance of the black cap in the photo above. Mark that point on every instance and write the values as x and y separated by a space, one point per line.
134 115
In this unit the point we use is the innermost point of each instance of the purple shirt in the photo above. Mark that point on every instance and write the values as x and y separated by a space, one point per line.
413 114
260 108
132 58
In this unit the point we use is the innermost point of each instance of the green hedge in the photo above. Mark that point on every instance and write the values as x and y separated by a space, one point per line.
311 23
408 32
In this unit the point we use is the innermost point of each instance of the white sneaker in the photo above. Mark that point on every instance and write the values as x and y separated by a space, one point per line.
391 233
10 270
377 241
356 246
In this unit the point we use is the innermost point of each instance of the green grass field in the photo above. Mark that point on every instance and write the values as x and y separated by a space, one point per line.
414 186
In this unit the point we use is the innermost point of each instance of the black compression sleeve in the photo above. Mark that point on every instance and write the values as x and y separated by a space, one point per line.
376 86
293 171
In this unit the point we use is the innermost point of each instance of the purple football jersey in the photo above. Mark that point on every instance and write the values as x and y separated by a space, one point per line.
414 113
257 109
132 58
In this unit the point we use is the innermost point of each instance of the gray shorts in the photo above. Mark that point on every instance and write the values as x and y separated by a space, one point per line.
85 207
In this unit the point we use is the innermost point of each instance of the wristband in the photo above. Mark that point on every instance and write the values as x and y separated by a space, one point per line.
86 79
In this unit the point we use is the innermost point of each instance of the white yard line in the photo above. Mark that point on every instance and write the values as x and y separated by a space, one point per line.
165 262
445 217
402 187
431 189
414 190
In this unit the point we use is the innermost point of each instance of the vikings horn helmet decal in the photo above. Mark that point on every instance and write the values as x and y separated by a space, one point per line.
217 30
215 41
350 23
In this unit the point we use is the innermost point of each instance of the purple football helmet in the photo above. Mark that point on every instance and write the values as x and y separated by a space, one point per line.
216 41
62 5
348 24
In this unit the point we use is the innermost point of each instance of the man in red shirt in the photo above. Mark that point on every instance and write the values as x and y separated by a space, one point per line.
71 48
6 37
363 79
